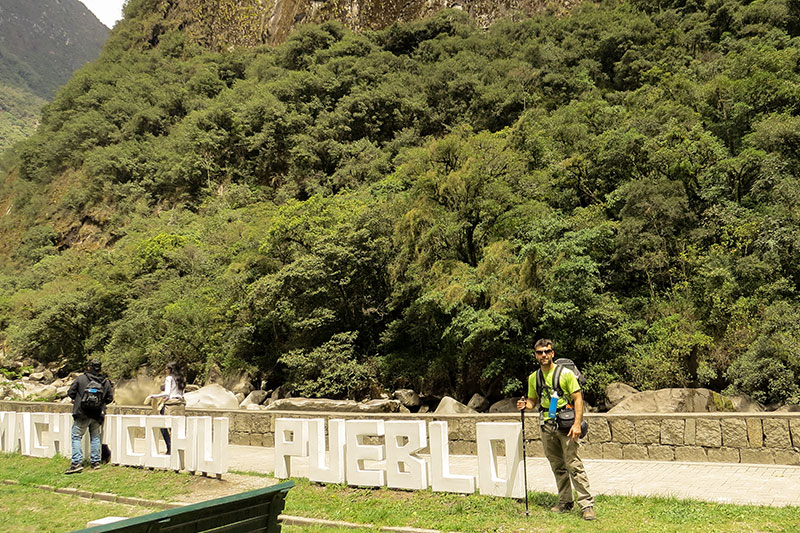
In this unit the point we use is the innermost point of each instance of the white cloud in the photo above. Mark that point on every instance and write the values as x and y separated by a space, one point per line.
108 11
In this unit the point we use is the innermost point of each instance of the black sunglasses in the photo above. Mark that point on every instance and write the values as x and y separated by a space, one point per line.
543 352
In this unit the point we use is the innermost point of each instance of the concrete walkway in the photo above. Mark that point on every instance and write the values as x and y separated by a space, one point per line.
772 485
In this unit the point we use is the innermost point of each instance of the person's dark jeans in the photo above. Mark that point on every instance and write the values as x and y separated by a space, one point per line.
166 436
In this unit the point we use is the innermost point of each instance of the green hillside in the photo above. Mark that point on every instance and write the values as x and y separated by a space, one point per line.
19 115
414 206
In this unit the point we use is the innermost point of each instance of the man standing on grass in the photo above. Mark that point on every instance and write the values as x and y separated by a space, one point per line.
561 449
90 393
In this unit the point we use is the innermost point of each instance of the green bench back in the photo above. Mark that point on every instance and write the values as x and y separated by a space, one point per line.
253 511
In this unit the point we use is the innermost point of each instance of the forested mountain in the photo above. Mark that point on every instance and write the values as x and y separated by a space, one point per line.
413 206
42 42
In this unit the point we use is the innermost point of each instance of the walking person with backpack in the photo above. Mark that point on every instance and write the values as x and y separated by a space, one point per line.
556 389
90 393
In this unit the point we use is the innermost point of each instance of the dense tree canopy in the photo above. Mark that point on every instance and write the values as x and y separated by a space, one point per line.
413 207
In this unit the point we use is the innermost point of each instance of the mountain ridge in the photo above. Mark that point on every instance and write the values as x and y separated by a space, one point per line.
42 42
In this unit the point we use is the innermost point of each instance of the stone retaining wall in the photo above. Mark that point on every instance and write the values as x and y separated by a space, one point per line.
761 438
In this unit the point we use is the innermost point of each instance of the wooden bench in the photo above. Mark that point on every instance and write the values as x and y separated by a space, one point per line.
252 511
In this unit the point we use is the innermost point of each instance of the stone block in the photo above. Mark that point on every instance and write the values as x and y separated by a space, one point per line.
623 431
691 454
463 428
672 431
648 431
532 431
240 438
600 431
269 440
734 433
241 423
723 455
661 453
689 431
708 433
761 456
612 450
755 433
794 426
776 433
261 424
534 449
591 451
787 457
464 447
134 501
256 439
634 452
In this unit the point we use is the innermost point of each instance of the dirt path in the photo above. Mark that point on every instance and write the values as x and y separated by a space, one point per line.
208 488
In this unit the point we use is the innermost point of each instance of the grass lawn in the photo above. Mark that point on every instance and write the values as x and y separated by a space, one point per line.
28 509
476 513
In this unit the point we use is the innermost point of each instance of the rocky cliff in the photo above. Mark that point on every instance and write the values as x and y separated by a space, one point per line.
254 22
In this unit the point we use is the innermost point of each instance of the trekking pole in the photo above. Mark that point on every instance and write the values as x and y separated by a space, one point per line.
524 462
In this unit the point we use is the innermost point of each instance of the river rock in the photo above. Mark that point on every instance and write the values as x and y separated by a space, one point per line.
408 398
508 405
677 400
479 403
256 397
616 392
313 404
281 393
450 406
213 396
380 406
244 386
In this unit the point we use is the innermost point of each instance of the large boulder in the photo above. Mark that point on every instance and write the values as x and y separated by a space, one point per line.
380 406
313 404
743 404
478 403
243 385
256 397
281 393
616 392
677 400
408 398
508 405
450 406
43 392
213 396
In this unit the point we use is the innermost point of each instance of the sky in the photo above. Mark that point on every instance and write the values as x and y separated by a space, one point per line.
108 11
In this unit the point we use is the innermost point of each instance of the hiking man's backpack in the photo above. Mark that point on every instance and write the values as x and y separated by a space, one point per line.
92 399
560 363
566 416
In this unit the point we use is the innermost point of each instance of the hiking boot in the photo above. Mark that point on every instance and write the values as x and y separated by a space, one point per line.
95 466
74 468
589 514
562 508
